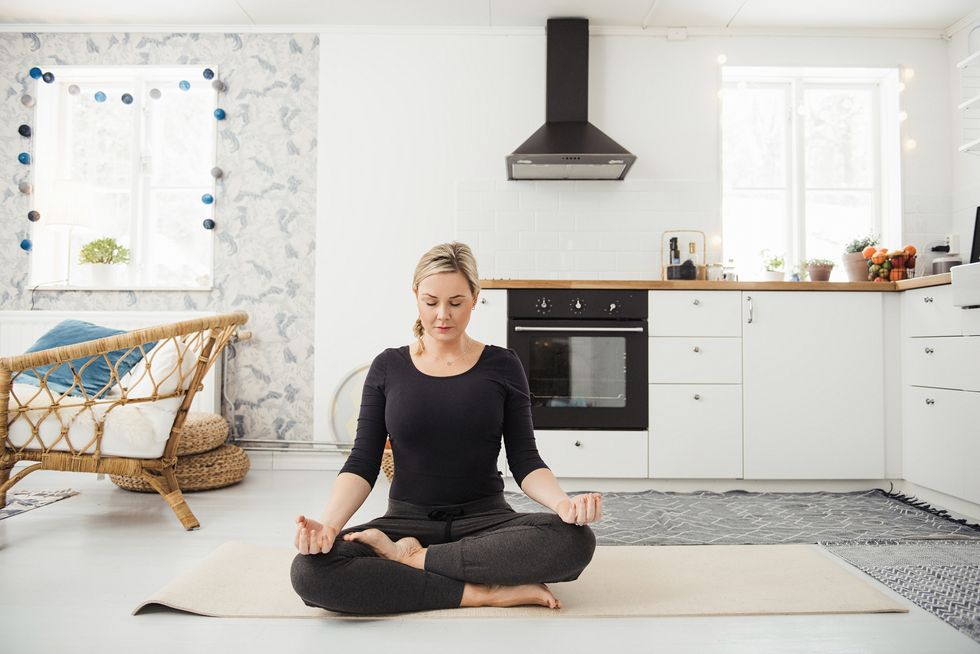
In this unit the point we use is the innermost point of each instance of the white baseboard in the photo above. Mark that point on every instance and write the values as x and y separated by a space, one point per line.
958 508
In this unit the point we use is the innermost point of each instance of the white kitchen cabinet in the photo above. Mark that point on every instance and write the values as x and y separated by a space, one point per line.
943 362
593 453
697 431
930 312
488 322
697 359
941 445
695 313
813 403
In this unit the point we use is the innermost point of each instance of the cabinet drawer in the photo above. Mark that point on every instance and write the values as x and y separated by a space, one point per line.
930 312
943 362
695 313
970 319
591 453
939 445
696 431
707 360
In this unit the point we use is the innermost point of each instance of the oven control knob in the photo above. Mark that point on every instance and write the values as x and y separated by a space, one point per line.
614 307
577 305
543 305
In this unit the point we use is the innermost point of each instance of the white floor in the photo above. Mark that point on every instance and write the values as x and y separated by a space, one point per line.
71 573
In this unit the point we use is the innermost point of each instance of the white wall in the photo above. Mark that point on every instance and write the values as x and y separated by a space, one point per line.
966 167
415 126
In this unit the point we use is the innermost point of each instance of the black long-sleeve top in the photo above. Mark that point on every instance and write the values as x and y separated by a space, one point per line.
445 431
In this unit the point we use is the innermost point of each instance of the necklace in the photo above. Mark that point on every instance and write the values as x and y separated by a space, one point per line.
461 355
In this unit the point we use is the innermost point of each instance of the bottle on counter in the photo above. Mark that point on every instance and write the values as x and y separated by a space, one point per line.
675 252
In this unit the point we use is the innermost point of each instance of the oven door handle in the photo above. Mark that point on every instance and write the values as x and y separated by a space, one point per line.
519 328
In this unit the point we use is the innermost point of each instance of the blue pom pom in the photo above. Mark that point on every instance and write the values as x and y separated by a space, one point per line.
99 96
184 85
219 113
208 223
208 73
127 98
48 77
24 158
24 130
26 245
36 72
207 198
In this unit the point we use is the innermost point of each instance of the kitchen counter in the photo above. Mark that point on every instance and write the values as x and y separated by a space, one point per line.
650 284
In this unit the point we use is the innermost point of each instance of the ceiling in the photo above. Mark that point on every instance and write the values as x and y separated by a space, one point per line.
838 14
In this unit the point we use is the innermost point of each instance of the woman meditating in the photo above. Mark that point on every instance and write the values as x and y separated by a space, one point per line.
448 539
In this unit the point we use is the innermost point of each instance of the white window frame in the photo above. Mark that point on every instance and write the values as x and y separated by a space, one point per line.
886 192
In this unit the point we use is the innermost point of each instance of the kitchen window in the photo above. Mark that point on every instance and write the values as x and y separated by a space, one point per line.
124 153
810 161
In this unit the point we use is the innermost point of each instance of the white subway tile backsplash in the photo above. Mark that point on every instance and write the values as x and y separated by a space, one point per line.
491 242
538 200
509 263
573 200
533 241
470 220
553 222
513 221
578 241
595 260
554 262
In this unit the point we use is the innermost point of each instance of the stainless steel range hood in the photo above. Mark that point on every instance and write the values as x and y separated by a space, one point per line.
568 146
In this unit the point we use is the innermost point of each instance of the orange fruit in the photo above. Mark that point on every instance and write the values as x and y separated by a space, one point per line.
868 251
910 250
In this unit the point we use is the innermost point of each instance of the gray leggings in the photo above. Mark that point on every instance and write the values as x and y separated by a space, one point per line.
484 542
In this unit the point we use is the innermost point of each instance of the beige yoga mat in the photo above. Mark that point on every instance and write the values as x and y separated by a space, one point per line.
242 580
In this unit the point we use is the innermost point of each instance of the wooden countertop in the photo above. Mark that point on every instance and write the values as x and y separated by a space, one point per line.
659 285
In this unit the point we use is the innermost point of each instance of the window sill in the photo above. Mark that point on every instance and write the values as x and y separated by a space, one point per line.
195 289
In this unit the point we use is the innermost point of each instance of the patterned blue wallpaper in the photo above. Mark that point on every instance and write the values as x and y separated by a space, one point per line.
265 209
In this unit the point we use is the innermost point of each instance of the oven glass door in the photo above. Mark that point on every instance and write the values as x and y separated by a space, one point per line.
584 374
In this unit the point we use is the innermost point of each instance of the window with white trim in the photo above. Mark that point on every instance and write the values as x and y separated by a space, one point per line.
810 161
124 152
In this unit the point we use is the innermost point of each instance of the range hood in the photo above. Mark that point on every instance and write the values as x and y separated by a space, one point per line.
568 146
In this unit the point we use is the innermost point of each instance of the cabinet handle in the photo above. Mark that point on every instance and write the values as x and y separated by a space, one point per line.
929 350
697 396
483 300
697 303
927 299
578 443
929 400
748 298
697 349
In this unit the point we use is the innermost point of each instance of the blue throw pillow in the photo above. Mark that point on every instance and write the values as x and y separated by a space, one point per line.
98 373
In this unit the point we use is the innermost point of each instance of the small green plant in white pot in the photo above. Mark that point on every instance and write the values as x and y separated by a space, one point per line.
819 269
104 257
773 266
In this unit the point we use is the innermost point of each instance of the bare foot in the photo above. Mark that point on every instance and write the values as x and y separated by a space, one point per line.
406 550
538 594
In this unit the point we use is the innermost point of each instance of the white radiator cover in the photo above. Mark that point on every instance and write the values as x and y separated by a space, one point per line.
20 329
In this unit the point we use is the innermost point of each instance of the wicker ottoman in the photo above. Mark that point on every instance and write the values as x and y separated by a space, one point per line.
204 462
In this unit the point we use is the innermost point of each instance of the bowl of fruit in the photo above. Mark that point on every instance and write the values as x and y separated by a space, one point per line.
886 265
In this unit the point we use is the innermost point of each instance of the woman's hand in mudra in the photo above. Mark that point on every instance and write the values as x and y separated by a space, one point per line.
581 509
313 537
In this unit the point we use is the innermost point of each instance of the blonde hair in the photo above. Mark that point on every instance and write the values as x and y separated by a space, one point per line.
445 257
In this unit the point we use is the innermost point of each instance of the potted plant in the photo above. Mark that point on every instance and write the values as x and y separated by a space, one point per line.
855 255
104 256
819 269
773 266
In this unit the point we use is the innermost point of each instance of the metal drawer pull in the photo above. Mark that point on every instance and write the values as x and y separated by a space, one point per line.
578 443
929 400
748 298
519 328
929 350
927 299
483 300
697 349
697 303
697 397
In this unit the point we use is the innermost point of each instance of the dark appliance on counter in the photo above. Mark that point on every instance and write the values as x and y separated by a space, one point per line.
585 355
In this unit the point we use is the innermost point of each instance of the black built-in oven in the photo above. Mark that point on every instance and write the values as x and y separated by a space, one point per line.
585 355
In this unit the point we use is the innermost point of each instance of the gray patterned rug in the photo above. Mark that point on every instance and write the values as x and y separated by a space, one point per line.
21 501
919 551
941 576
755 518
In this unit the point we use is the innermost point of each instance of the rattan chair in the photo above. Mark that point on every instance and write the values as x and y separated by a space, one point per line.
38 423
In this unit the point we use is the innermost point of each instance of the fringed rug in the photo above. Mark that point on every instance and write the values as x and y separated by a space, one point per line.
919 551
754 518
21 501
943 576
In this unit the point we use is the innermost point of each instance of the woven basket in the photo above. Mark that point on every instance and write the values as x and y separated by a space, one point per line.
388 464
218 468
203 432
